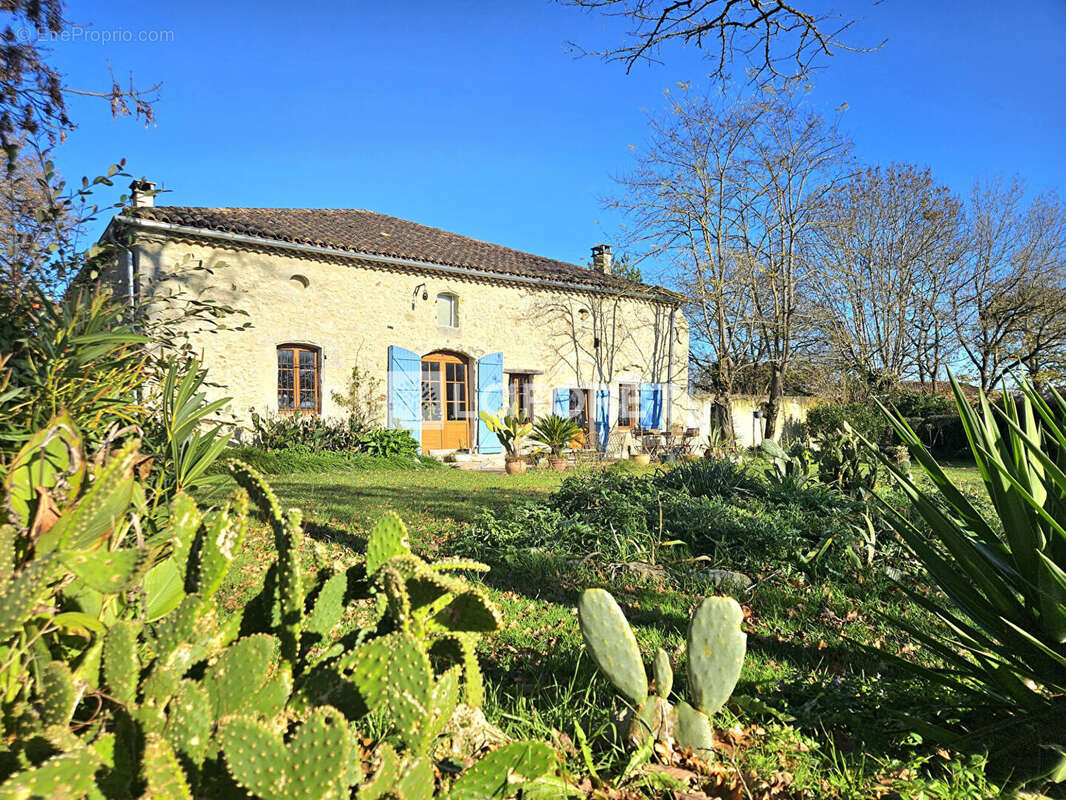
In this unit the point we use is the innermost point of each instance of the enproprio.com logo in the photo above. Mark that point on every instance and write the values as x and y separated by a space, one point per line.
78 34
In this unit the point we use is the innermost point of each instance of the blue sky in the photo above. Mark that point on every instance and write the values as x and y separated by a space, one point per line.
474 117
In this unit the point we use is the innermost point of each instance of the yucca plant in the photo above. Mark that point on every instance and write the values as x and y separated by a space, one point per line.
1003 633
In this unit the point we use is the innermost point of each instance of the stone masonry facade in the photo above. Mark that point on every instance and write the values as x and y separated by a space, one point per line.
353 310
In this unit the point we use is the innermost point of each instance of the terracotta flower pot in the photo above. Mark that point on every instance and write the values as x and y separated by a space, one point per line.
559 464
515 466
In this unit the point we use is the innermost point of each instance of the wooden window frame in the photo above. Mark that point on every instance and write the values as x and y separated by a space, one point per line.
296 349
630 389
453 300
520 393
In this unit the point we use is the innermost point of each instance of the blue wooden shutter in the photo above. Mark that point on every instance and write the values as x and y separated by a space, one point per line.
651 405
603 416
489 399
562 403
405 391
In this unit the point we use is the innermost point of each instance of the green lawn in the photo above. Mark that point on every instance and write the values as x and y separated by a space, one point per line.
830 727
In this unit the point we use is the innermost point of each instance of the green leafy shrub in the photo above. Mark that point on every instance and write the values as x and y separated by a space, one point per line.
301 459
827 419
845 464
1004 580
318 434
76 355
616 501
121 678
619 516
389 442
909 404
707 477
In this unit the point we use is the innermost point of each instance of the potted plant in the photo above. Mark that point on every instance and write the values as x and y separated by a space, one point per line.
556 433
512 431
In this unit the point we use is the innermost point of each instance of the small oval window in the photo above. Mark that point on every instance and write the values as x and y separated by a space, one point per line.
299 281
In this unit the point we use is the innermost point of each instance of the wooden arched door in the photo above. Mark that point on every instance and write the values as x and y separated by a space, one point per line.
445 402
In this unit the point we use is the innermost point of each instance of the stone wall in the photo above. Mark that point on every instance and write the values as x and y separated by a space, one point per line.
793 414
354 311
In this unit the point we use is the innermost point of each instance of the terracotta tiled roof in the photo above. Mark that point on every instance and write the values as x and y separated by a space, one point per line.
360 231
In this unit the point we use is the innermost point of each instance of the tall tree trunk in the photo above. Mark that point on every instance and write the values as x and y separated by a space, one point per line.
773 401
722 416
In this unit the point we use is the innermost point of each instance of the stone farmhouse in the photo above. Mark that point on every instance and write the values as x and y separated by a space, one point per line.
448 326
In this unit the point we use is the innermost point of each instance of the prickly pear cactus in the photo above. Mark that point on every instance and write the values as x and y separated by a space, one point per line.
311 765
716 648
612 644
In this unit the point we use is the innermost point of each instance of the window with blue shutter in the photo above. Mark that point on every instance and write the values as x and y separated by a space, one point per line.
562 403
603 417
489 399
405 391
651 406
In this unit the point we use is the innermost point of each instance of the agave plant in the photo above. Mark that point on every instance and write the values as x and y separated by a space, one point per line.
556 433
1004 627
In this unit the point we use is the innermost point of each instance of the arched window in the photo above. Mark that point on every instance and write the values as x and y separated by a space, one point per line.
447 310
299 389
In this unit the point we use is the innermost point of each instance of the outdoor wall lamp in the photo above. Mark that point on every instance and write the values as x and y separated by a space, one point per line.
414 294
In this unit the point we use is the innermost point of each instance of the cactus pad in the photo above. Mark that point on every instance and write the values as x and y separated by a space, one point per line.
241 670
502 772
222 536
387 539
59 695
189 721
108 571
610 640
62 776
716 648
693 730
163 776
308 767
120 664
663 673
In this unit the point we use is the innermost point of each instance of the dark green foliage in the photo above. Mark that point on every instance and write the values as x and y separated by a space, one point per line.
312 431
707 477
845 464
715 509
829 418
292 460
389 443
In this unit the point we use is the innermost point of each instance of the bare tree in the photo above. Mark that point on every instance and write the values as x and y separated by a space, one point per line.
1008 304
887 244
796 158
684 199
779 38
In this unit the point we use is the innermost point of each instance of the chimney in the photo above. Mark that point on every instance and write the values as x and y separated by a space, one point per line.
601 258
142 193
